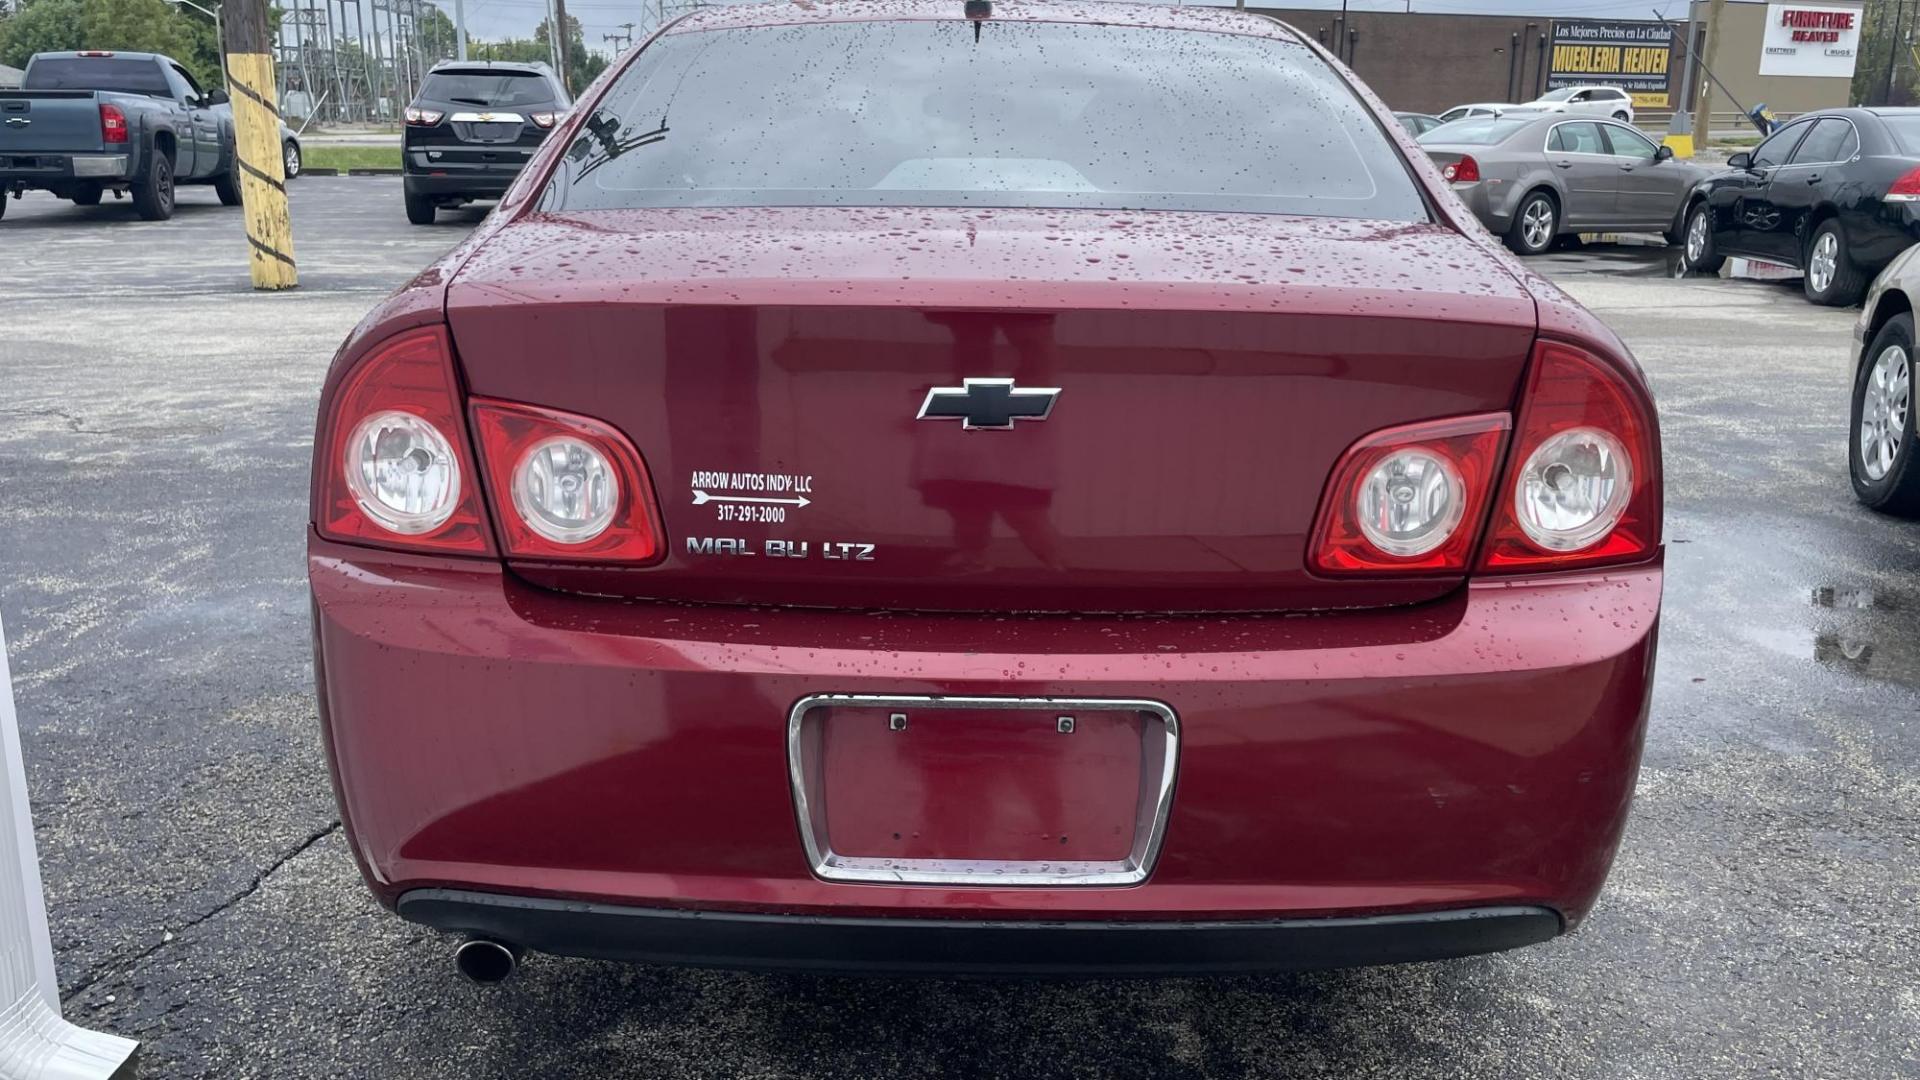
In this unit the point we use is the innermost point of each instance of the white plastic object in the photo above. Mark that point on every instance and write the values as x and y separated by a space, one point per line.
35 1043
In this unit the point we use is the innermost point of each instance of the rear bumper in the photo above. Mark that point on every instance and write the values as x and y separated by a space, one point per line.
490 737
472 181
917 946
40 170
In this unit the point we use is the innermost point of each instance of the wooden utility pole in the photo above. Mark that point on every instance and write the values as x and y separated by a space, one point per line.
560 39
256 139
1703 110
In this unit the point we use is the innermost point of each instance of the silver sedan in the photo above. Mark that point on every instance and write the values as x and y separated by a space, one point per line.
1531 178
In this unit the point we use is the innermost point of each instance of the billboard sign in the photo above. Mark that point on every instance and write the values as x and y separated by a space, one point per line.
1822 42
1635 56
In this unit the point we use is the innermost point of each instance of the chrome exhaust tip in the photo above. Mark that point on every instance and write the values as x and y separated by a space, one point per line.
486 961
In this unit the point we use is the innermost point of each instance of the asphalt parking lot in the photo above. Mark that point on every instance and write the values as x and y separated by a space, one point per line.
155 419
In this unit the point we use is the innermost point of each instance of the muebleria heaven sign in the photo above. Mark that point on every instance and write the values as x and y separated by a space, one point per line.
1814 41
1635 56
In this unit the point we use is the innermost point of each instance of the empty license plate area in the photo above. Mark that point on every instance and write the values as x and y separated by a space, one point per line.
982 790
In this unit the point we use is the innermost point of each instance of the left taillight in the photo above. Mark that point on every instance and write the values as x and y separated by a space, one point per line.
1464 171
1410 500
113 123
566 487
396 468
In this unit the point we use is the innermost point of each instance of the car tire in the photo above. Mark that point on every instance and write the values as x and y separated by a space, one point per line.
87 195
1696 241
1831 278
153 193
420 209
5 197
227 186
1881 439
1536 221
1623 118
290 158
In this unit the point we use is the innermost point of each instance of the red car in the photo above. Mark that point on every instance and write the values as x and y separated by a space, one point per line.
1031 488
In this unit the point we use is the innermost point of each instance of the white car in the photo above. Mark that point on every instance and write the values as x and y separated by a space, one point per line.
1592 100
1479 108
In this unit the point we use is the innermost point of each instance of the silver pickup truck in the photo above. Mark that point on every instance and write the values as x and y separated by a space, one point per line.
85 123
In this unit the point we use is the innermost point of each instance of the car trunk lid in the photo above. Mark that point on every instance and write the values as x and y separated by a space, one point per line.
770 365
49 121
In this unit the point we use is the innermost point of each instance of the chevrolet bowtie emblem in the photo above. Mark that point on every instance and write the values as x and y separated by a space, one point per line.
988 404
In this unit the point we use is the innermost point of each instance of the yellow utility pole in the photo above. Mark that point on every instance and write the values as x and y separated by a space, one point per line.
256 136
1703 111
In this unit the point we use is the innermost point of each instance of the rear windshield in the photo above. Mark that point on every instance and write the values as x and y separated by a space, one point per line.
488 88
97 73
908 113
1906 132
1477 130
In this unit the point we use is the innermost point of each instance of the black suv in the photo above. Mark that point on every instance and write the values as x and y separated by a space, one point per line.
472 128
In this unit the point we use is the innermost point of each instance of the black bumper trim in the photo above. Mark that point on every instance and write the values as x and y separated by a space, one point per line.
908 946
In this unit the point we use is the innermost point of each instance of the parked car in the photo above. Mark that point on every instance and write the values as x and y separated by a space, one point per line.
1479 109
1835 194
1417 123
721 558
292 157
85 123
1880 432
1608 101
1531 177
472 128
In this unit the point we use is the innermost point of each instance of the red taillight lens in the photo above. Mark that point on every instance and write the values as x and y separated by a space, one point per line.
113 124
1582 485
566 486
422 117
1410 499
395 468
1464 171
1905 189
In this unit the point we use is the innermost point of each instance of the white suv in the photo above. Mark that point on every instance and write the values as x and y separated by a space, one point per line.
1595 100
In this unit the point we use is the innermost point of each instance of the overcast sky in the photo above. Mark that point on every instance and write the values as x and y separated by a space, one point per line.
517 18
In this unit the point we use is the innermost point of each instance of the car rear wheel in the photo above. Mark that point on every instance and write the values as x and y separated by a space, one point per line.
1880 446
1831 278
227 186
1699 252
1622 117
153 193
290 156
419 209
1535 224
87 195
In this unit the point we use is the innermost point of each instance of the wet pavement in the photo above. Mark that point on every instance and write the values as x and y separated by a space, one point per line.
154 427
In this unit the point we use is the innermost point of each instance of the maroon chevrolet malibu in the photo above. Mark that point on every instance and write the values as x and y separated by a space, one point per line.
983 488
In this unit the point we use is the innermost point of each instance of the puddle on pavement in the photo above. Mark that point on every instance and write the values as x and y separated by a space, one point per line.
1864 631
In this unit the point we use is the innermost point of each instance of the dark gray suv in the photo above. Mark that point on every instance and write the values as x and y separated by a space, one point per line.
472 128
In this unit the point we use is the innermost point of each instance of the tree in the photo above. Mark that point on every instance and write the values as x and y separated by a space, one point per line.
583 65
1880 40
436 34
130 25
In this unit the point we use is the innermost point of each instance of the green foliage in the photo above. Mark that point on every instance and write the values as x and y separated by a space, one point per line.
127 25
583 64
1880 41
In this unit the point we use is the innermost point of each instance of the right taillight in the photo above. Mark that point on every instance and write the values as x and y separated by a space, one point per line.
565 486
1905 189
1582 479
1464 171
113 124
395 469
